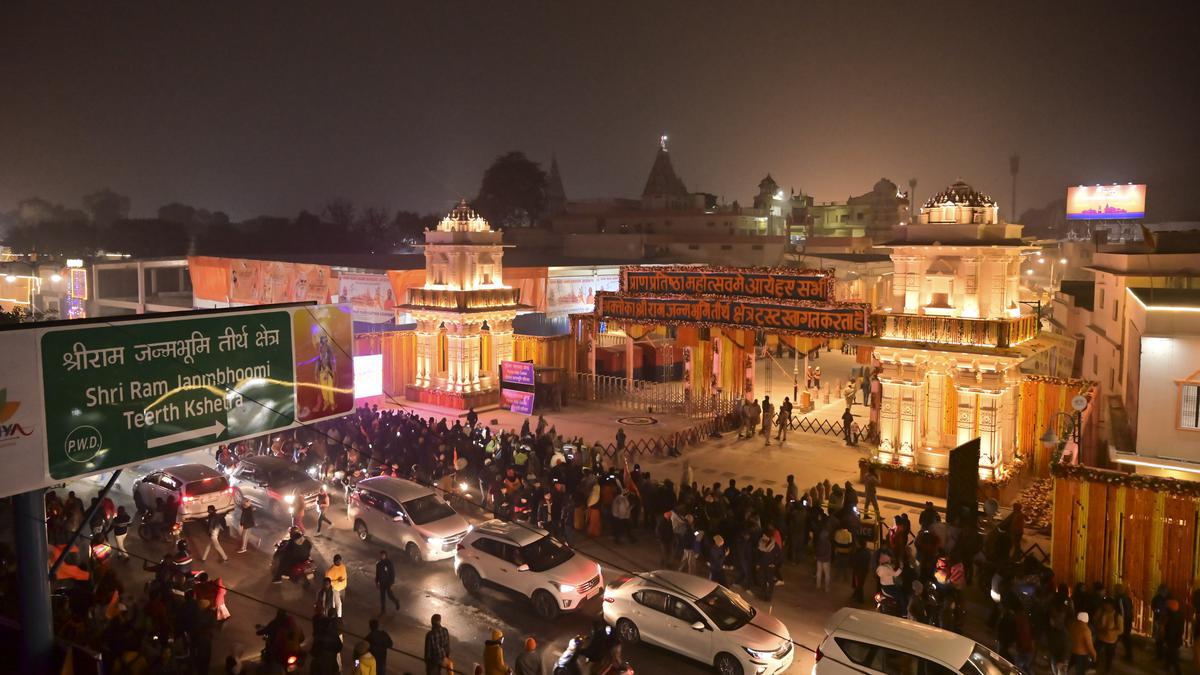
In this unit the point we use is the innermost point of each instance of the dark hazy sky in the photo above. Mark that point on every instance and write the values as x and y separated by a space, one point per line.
270 107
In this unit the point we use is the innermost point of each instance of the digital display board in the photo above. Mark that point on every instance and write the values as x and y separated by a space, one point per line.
368 376
1106 202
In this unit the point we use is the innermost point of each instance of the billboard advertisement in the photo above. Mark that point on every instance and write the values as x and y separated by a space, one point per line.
369 295
565 295
516 372
1106 202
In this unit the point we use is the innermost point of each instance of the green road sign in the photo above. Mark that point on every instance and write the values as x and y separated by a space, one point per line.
123 393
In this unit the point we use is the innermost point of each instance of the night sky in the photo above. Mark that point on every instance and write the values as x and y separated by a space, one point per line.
265 107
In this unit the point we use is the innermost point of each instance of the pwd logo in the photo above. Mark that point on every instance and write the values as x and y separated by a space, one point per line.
10 430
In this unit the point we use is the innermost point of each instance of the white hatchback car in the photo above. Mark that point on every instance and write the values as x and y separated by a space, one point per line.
860 641
527 560
700 619
406 515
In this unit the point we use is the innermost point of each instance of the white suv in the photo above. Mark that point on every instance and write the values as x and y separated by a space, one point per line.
858 641
527 560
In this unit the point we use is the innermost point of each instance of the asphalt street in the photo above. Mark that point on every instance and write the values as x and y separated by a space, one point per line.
422 589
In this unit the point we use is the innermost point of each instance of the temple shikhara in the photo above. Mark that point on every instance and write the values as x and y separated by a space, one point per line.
956 342
464 314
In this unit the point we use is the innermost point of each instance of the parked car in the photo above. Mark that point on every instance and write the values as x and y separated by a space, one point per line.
273 484
700 619
859 641
406 515
195 487
529 561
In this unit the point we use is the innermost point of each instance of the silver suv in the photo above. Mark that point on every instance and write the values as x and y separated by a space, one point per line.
195 487
273 484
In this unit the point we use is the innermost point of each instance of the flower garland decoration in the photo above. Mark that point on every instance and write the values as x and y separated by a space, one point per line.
895 467
1138 481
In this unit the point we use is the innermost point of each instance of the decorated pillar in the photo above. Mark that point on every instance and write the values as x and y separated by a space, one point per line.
889 423
471 346
990 443
935 383
965 422
970 292
748 365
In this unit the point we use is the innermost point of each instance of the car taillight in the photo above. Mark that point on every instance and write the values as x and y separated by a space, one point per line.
291 659
819 654
460 547
229 490
188 498
609 598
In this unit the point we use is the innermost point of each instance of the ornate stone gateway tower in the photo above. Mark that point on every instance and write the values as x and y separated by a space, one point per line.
464 314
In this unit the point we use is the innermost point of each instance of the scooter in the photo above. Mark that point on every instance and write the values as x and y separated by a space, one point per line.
301 572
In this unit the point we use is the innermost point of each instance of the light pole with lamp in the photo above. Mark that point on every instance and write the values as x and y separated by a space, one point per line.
1052 442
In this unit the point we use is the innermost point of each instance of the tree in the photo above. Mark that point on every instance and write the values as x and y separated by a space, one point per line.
513 191
339 211
373 230
181 214
106 207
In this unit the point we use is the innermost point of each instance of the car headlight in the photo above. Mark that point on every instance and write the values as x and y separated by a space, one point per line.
288 499
435 541
761 655
566 588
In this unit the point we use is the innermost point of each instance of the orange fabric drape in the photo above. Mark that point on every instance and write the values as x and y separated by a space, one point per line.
210 278
402 280
532 282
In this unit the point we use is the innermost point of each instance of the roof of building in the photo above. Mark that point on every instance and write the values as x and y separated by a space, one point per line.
995 243
662 179
1168 297
1023 351
960 194
850 257
1083 292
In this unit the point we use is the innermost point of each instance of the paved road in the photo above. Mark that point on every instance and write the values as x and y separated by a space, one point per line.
422 589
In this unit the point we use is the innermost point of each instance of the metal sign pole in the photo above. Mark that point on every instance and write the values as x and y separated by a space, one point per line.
33 586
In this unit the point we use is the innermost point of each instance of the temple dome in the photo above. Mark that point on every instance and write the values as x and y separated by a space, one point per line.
960 194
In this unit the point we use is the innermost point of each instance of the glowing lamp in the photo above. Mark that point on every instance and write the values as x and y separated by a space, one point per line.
56 278
1028 272
10 279
1049 439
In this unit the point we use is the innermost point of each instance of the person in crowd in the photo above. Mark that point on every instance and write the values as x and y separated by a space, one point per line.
785 419
767 415
120 528
337 576
437 646
323 502
848 426
385 576
246 522
364 660
1173 637
214 523
493 654
823 552
1083 651
378 643
530 661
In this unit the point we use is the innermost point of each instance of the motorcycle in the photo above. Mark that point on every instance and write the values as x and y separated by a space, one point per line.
301 572
149 529
887 603
569 662
287 663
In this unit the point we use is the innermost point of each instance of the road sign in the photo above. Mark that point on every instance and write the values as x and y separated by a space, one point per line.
1079 403
120 393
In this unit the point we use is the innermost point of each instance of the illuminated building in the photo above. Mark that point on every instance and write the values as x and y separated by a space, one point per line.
955 337
464 313
876 215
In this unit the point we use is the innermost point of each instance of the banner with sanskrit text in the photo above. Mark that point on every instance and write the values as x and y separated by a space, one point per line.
779 316
778 284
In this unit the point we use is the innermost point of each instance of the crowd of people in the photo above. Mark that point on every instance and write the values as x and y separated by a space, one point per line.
738 535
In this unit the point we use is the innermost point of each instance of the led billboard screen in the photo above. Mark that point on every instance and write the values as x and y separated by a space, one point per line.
1106 202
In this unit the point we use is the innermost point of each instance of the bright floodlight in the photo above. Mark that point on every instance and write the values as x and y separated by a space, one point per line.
56 278
10 279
